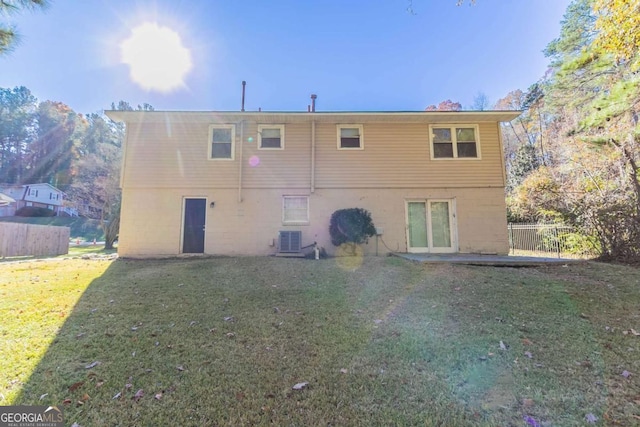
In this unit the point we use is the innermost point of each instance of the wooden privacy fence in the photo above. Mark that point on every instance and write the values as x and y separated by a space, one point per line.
33 240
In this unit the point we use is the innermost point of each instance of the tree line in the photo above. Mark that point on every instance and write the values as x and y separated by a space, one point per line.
78 153
572 155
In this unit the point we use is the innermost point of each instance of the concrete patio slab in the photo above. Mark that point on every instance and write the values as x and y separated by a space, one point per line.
494 260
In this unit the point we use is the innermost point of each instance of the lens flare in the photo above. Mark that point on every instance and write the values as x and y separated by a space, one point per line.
349 257
254 161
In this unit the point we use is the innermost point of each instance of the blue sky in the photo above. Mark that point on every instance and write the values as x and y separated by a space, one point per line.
367 55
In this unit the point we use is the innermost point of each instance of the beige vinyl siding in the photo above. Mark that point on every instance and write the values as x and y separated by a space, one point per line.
175 155
398 155
286 168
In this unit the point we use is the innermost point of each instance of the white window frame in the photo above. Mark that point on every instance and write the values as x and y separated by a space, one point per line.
261 128
453 128
350 126
297 221
233 142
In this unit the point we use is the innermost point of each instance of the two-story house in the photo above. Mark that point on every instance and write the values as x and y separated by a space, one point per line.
41 195
230 182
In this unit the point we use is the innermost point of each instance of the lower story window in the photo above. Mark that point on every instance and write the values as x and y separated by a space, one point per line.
295 209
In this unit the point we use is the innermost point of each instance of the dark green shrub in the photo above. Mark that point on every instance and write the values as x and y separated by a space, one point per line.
34 211
352 225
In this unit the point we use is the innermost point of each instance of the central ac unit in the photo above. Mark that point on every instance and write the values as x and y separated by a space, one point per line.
290 241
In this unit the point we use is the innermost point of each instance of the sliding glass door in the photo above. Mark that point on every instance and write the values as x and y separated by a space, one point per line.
430 226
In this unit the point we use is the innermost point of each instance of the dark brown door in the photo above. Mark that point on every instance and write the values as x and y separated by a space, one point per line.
194 223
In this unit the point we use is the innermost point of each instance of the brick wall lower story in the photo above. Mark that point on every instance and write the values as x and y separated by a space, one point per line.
152 220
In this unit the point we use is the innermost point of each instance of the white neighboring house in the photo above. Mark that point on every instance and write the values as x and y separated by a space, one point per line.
39 195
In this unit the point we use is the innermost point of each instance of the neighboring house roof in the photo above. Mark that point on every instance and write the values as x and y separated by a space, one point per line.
44 184
21 192
6 200
335 116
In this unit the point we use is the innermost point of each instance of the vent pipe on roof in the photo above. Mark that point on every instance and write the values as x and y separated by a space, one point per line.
244 85
313 102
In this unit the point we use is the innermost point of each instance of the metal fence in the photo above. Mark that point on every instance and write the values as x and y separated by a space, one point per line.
542 239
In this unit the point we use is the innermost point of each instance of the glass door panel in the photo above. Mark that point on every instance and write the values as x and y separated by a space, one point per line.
440 224
417 222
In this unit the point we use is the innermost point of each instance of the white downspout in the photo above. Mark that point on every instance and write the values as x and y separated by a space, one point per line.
240 162
313 156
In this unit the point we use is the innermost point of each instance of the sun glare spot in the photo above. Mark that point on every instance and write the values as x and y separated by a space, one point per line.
254 161
156 57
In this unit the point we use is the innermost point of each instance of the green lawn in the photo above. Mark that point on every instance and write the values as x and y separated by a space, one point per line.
222 341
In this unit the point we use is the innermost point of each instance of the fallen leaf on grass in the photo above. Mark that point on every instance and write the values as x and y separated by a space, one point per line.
231 334
300 386
626 373
634 332
590 418
528 354
99 384
158 396
180 368
502 346
343 371
75 386
531 421
228 319
139 395
526 341
86 397
128 386
66 402
527 403
116 396
44 395
92 365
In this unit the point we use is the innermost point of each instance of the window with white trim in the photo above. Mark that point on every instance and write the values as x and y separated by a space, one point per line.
222 142
271 137
295 210
454 142
350 137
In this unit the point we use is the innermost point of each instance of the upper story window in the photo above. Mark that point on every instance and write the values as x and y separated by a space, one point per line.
271 137
455 142
350 137
221 142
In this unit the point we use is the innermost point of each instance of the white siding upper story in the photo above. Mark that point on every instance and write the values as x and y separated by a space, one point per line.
43 193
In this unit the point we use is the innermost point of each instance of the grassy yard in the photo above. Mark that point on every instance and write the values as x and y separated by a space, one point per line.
222 341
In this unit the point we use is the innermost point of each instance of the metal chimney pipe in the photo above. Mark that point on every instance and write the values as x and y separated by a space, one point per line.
244 85
313 102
